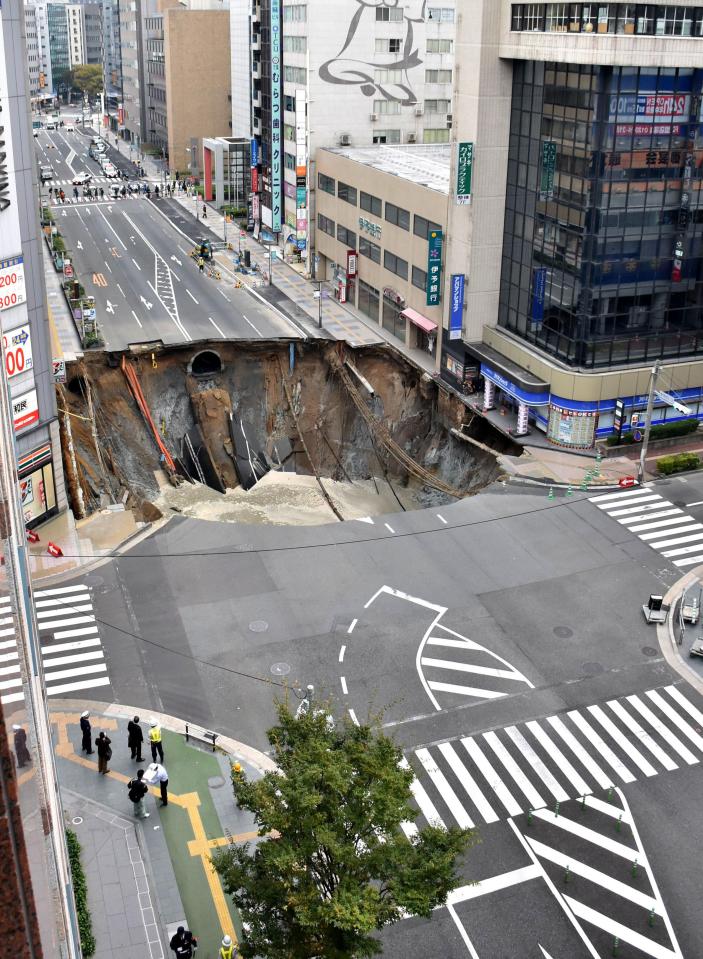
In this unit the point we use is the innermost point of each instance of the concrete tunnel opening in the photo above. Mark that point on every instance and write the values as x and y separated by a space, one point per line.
273 433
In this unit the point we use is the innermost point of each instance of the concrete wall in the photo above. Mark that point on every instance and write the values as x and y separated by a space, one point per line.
196 46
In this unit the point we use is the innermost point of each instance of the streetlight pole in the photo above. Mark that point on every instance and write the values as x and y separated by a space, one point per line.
319 304
654 375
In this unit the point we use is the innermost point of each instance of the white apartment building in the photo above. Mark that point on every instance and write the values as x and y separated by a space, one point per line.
38 55
351 76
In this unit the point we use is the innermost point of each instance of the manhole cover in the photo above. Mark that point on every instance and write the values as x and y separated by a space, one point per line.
92 579
76 821
650 651
216 782
280 669
259 626
563 632
593 669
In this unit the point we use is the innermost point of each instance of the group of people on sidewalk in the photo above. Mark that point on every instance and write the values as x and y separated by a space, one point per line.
184 944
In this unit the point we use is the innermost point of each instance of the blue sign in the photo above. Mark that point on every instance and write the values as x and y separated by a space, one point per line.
276 119
254 152
300 244
456 314
539 285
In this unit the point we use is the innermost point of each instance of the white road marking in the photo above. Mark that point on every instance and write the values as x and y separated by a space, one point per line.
222 293
59 591
674 717
553 751
191 296
462 931
468 782
67 673
112 228
45 614
442 519
58 603
83 631
67 647
121 290
632 505
342 651
216 327
591 835
659 526
136 264
109 268
684 550
352 715
697 503
628 747
618 930
67 622
137 319
521 780
656 543
581 754
689 562
695 714
81 684
251 325
75 658
175 276
389 528
642 735
352 625
627 494
491 776
606 752
526 750
664 731
343 681
465 690
445 790
420 795
469 668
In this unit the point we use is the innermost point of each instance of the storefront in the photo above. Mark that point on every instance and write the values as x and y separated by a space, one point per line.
518 395
37 487
423 331
459 368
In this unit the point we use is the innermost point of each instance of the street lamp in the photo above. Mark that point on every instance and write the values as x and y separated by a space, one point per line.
318 296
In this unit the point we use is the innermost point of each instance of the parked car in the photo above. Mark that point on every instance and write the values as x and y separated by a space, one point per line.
80 179
45 174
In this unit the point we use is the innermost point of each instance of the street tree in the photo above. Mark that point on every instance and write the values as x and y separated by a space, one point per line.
88 78
333 866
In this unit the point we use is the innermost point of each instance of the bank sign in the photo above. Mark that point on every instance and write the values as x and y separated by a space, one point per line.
434 267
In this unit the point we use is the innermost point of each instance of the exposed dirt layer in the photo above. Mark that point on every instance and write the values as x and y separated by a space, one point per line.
291 410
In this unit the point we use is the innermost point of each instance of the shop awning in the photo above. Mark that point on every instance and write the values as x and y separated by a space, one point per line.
417 319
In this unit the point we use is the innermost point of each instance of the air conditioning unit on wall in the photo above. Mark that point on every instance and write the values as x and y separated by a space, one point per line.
345 139
374 117
411 138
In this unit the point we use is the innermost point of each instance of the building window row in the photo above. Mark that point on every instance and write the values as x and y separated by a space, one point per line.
346 193
295 75
326 184
439 46
370 203
325 224
295 44
389 14
369 249
394 264
438 76
295 14
638 19
347 237
441 14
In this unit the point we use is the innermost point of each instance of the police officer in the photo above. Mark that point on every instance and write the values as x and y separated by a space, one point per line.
87 742
155 741
183 943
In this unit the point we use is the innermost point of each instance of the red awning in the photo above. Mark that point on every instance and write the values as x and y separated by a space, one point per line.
417 319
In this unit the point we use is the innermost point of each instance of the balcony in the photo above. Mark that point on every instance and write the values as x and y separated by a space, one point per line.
256 69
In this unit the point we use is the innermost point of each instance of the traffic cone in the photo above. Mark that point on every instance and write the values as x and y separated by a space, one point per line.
54 550
569 491
550 494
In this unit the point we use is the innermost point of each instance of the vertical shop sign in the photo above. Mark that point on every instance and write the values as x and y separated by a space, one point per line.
464 170
456 315
539 285
276 131
549 165
434 267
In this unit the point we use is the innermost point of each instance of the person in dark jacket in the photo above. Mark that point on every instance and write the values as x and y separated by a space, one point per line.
86 742
137 790
104 753
183 943
21 750
135 738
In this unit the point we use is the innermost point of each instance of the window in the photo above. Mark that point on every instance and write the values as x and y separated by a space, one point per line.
289 104
369 249
289 132
419 278
389 14
626 18
398 216
437 106
422 227
295 14
557 17
435 136
395 264
326 183
325 224
388 46
533 16
386 107
443 14
368 300
439 46
388 76
295 75
346 193
438 76
371 204
386 136
295 44
347 237
289 161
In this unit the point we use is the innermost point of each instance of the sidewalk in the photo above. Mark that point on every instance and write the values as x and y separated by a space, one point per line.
147 877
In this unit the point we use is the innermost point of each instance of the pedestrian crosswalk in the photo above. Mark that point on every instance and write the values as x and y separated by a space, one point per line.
100 180
72 654
533 765
666 528
455 669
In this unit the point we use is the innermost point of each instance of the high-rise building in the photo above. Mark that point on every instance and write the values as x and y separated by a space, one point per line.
330 73
59 52
112 58
133 125
575 220
84 33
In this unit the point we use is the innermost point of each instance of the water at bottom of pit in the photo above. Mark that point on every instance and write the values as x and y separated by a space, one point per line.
287 499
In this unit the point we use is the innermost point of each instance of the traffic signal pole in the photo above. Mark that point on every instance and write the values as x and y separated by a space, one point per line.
653 377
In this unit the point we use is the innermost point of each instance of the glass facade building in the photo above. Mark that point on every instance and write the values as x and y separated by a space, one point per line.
603 225
57 22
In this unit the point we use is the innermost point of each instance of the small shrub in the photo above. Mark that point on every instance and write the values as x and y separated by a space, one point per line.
677 463
660 432
80 894
59 245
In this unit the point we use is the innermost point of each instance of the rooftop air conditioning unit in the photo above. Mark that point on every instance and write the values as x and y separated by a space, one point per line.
418 111
412 138
345 139
374 117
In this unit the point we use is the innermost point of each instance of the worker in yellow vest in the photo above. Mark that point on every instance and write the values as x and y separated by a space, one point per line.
227 948
155 741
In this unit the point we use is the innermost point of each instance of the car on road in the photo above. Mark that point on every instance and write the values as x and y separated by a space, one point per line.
45 174
110 170
50 125
80 179
70 128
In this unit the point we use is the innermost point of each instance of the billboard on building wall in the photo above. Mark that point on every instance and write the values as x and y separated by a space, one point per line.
456 315
276 116
464 172
301 168
434 267
10 237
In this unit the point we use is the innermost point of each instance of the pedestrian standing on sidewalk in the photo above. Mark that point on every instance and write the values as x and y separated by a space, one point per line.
104 753
21 750
86 742
135 738
183 943
156 773
137 790
155 740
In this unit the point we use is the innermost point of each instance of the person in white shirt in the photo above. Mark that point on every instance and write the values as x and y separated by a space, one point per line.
156 773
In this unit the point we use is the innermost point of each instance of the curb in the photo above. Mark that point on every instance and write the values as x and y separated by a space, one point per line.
240 751
665 632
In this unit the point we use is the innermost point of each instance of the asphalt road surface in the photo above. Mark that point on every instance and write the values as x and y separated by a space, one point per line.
502 637
136 264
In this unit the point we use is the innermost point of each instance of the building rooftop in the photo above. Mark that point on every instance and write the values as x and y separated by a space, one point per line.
424 164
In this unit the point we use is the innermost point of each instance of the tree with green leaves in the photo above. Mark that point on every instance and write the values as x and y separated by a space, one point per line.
334 866
88 78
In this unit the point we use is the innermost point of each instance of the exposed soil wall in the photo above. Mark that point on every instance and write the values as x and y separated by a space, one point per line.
256 382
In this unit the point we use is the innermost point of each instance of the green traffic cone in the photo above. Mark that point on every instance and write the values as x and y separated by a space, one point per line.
550 494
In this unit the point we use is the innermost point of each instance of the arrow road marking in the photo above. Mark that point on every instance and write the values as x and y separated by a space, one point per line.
146 303
109 308
79 245
176 260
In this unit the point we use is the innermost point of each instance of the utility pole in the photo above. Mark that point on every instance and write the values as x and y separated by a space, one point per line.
318 297
654 376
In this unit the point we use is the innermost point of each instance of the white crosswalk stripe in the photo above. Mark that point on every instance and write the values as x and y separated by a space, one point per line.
661 525
458 786
72 653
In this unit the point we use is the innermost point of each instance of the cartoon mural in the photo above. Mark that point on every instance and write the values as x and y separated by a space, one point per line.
356 65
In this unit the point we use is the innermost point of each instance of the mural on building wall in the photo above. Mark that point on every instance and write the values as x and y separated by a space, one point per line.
356 63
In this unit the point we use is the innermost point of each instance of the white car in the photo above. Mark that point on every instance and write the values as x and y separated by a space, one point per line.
70 128
80 179
110 170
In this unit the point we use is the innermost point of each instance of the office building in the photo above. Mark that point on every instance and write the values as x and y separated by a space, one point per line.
84 33
66 35
37 33
112 59
574 218
344 75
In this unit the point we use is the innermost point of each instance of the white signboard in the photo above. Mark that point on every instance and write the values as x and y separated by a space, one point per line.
12 285
25 410
17 345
